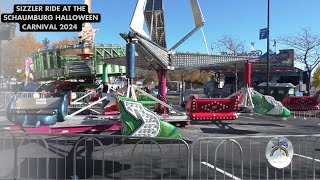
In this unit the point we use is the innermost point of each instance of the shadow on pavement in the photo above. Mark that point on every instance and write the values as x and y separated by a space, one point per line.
228 131
259 124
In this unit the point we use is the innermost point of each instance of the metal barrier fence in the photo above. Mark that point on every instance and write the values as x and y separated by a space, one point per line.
66 156
245 158
311 115
5 99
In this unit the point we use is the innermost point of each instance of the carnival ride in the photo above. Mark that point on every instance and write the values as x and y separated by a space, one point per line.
134 118
302 103
37 111
53 64
252 100
44 113
153 53
50 113
212 109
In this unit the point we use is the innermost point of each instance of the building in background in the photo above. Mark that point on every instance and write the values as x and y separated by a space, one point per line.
282 70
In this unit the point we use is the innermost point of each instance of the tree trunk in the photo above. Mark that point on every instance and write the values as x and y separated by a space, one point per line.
308 83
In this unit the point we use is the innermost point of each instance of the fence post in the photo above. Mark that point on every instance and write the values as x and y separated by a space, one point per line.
15 158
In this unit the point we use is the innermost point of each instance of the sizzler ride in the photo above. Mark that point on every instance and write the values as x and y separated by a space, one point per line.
136 119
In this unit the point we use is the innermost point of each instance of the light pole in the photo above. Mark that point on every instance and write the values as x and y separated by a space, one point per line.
268 53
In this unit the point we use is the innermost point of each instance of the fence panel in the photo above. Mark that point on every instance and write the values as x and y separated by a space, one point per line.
59 156
66 156
7 151
245 158
311 116
5 99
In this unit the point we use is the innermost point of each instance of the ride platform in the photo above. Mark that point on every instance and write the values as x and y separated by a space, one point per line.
177 120
76 124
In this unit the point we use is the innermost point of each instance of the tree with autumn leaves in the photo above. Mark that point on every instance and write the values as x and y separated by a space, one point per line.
67 41
190 75
316 78
15 52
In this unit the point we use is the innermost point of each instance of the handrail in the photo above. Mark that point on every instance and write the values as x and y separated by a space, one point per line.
155 99
86 107
86 95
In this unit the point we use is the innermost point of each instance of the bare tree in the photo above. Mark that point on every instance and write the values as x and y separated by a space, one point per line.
228 44
307 49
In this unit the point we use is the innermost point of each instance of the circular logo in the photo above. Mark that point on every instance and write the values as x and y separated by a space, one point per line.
279 152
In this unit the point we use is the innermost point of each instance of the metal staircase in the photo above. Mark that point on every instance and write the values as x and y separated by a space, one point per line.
154 19
78 68
50 64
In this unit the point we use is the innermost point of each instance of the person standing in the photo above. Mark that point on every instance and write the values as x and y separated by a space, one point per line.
105 88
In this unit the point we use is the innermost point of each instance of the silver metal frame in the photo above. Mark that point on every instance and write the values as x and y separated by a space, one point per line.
65 156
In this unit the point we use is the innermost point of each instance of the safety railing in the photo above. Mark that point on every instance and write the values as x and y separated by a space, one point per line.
82 99
5 99
66 156
311 115
246 158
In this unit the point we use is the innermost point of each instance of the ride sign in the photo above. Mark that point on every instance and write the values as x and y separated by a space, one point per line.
250 54
279 152
264 33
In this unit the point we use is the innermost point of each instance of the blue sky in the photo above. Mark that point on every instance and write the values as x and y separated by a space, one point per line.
242 19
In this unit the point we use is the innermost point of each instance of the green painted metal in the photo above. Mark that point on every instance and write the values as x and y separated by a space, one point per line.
53 59
44 60
50 60
143 97
130 124
105 73
146 101
102 52
262 106
108 51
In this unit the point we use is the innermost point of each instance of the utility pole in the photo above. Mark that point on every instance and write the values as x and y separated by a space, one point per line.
268 53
